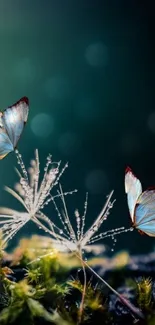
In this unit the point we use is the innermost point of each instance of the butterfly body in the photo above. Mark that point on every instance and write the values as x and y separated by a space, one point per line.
141 204
12 121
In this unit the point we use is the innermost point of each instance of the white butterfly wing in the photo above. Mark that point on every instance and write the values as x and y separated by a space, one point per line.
145 213
5 143
14 119
133 188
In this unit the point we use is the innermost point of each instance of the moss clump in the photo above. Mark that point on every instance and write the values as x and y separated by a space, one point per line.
40 286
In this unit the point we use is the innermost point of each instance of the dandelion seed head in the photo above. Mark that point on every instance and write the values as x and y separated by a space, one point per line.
77 215
30 171
80 241
32 192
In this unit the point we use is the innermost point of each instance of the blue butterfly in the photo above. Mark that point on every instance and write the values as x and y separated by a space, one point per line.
12 122
141 204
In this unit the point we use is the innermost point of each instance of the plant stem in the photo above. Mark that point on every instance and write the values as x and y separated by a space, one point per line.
81 309
136 311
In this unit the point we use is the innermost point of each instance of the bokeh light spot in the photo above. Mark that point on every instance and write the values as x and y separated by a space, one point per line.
97 54
96 181
24 70
69 143
151 122
42 125
57 87
130 144
85 109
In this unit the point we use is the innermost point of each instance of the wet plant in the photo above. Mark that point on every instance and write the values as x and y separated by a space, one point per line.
34 194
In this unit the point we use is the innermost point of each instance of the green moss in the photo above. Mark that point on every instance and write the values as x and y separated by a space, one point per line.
48 294
144 293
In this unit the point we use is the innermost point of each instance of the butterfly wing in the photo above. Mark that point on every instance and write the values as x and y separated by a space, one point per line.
5 143
14 119
145 213
133 188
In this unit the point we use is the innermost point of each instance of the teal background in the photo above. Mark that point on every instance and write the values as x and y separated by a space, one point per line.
88 68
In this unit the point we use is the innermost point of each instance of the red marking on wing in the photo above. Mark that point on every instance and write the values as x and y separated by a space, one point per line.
23 99
141 232
151 188
127 170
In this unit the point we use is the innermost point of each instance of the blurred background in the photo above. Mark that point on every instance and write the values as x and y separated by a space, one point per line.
88 69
